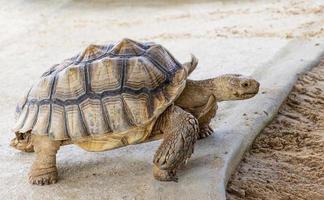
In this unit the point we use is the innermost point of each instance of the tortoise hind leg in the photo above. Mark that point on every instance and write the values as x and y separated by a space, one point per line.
180 130
43 170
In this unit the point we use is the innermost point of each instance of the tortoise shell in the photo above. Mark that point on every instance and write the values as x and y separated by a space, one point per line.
114 91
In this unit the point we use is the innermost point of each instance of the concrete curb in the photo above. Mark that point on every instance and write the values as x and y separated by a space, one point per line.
277 78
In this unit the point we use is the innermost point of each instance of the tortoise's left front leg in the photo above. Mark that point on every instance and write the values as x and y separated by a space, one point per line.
204 121
204 116
180 130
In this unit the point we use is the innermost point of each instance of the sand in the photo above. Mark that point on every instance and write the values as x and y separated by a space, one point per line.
286 160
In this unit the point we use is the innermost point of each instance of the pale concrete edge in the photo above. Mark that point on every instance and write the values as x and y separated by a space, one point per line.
234 157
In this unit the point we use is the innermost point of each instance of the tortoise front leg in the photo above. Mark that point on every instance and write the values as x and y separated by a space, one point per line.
204 114
180 130
204 121
43 170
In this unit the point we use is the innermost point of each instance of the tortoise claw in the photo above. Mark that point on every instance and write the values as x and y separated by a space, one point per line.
164 175
205 131
44 179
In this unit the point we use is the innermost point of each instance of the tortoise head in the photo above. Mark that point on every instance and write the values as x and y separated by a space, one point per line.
235 87
22 142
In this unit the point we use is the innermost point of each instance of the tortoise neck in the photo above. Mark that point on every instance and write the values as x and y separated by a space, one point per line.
196 93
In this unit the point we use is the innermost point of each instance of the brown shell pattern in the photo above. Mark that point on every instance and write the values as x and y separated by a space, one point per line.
103 90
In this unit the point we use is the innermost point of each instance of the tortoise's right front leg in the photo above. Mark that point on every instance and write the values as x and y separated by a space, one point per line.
43 170
180 130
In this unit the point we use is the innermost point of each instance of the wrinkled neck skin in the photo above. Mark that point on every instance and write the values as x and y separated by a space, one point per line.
197 93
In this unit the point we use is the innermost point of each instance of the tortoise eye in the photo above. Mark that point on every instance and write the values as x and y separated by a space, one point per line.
245 84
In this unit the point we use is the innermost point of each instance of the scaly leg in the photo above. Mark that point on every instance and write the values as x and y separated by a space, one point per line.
204 114
180 130
204 121
43 170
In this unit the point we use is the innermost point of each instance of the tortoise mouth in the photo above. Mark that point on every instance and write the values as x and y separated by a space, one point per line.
245 95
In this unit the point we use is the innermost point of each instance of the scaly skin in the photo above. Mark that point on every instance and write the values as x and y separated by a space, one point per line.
204 121
180 130
43 170
200 97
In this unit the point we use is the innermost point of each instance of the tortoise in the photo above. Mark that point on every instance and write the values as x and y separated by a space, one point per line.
123 93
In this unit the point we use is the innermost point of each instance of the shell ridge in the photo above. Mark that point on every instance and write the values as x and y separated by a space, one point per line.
147 73
150 74
150 105
50 102
104 94
122 75
25 102
87 77
91 52
158 65
42 120
57 129
129 116
50 71
83 124
126 47
56 71
67 134
178 65
21 119
105 116
25 118
36 117
141 73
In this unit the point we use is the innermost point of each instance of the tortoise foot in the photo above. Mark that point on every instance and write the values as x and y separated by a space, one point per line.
164 175
205 131
43 177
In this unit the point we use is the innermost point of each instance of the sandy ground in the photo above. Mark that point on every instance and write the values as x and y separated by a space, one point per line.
286 160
